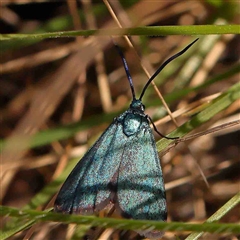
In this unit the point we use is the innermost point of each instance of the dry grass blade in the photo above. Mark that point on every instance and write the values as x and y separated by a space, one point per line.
62 89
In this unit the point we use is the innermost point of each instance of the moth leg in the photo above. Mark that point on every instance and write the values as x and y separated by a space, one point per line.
156 130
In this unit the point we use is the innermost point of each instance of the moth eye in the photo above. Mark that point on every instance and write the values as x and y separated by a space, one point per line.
141 107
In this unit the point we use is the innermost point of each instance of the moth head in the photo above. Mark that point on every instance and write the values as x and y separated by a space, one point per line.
137 105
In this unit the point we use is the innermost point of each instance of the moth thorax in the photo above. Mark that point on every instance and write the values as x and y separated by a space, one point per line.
131 124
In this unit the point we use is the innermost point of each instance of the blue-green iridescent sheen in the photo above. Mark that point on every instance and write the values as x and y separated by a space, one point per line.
123 168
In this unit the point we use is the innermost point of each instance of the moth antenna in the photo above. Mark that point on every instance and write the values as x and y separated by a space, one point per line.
126 69
164 65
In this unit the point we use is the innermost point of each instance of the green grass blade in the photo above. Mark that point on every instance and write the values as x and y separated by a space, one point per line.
213 108
234 201
44 216
137 31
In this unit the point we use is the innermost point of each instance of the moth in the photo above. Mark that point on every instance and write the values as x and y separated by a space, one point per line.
122 167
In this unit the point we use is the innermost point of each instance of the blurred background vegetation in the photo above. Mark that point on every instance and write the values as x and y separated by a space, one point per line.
59 94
